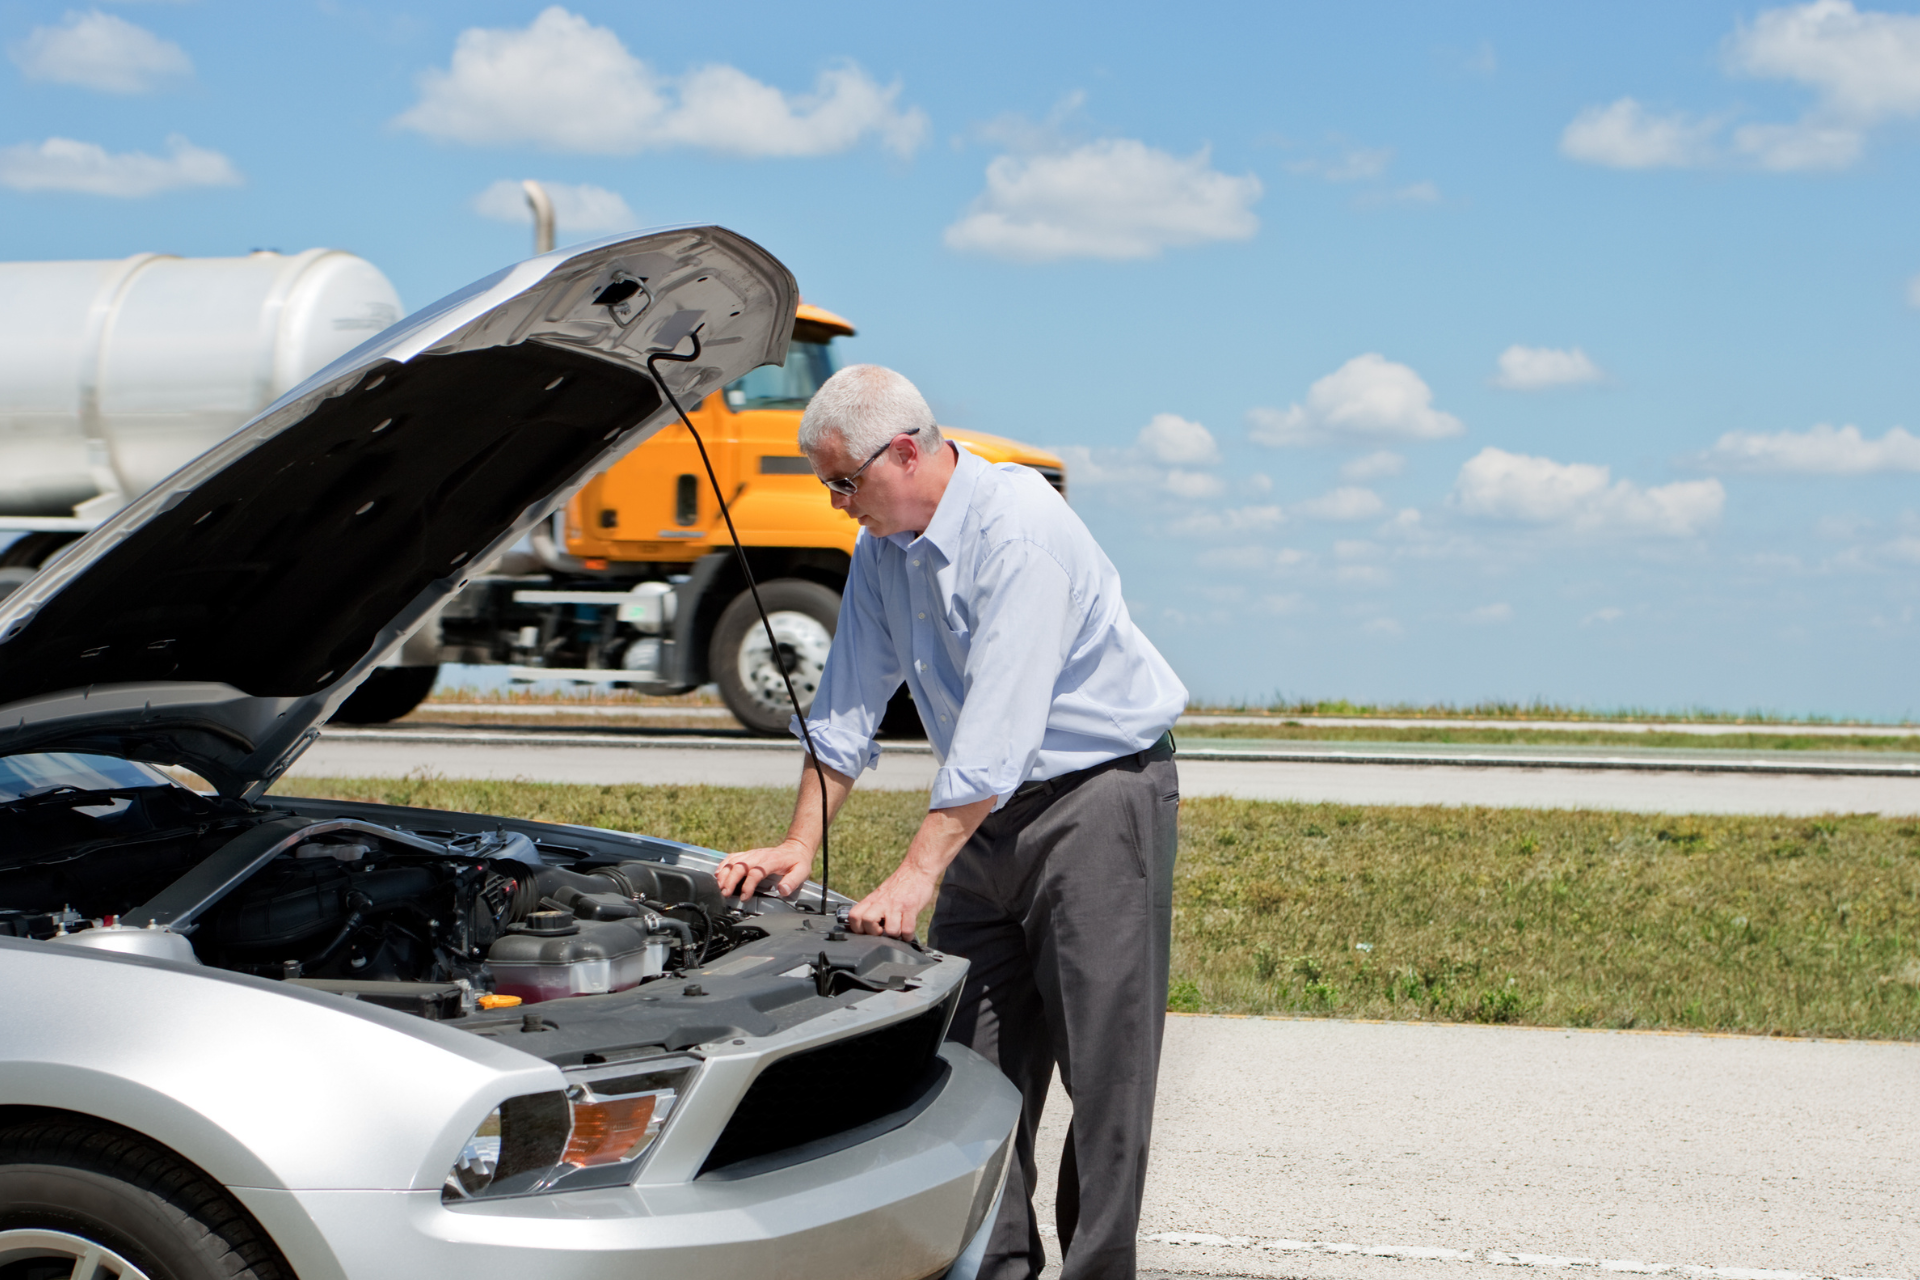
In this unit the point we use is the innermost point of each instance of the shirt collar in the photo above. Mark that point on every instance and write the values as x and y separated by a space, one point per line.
943 531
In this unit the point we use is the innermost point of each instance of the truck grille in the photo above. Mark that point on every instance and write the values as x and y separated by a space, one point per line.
1055 477
825 1092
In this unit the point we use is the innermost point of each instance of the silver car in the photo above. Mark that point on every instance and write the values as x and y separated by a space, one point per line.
243 1035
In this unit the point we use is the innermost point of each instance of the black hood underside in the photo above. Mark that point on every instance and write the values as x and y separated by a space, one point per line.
277 573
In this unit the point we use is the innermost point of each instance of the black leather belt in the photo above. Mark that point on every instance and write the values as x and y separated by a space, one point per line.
1162 749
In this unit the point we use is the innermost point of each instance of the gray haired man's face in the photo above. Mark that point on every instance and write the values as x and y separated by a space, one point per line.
883 494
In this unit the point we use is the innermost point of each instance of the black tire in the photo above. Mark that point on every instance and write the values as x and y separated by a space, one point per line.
387 694
903 718
757 696
66 1183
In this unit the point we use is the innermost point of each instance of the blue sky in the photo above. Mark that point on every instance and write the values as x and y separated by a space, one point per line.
1401 351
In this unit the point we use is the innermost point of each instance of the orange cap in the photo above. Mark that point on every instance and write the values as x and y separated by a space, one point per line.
498 1002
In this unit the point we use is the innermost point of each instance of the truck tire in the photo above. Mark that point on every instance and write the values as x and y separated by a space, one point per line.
902 719
387 694
803 615
88 1199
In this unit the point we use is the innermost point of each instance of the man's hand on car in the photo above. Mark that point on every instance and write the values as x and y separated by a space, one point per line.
894 908
741 873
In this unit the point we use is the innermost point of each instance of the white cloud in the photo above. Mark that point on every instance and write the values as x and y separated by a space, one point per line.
1488 614
582 207
1172 439
62 164
1367 399
1193 485
1342 504
1252 559
1362 575
1418 193
1865 67
1913 292
1536 368
1625 135
1785 148
1232 520
1581 496
1600 617
1382 627
100 51
1374 466
1116 198
1406 523
1824 450
567 85
1357 165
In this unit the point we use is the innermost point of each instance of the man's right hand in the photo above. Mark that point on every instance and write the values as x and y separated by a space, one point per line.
741 873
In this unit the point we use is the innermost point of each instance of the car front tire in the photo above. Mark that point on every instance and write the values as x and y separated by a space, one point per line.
79 1199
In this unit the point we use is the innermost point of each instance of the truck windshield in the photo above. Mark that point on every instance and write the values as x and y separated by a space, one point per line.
789 386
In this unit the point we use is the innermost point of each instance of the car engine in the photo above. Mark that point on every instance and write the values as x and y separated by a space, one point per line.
482 918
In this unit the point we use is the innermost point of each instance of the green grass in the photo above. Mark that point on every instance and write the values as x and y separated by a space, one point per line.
1498 709
1573 736
1551 918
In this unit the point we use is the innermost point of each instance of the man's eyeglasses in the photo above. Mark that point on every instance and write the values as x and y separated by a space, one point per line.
848 485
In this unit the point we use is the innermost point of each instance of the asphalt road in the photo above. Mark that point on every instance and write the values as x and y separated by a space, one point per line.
1352 773
1310 1148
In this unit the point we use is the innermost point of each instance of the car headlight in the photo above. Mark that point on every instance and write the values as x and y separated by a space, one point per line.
592 1135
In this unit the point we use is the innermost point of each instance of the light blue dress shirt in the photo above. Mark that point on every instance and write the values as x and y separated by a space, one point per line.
1004 617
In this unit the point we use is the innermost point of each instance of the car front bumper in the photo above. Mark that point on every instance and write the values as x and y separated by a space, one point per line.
909 1204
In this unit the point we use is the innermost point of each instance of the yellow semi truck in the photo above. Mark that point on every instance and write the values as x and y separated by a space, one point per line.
635 581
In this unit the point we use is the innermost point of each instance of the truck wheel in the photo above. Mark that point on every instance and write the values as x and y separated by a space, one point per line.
387 694
903 718
85 1200
803 615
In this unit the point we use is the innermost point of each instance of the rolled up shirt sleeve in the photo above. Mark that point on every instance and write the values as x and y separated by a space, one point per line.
861 674
1023 632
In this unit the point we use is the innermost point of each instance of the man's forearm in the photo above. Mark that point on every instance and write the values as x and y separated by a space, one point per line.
895 906
807 821
942 834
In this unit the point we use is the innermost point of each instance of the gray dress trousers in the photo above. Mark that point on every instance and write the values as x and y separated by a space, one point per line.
1063 902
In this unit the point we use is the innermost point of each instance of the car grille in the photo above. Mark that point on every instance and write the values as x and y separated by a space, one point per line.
1055 477
825 1092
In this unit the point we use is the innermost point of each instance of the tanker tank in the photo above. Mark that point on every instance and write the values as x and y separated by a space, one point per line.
118 372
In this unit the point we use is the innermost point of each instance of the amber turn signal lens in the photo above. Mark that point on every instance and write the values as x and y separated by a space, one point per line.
607 1132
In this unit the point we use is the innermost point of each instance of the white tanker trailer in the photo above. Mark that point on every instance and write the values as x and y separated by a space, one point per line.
114 374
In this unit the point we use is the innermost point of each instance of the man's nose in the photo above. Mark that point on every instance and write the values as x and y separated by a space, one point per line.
841 501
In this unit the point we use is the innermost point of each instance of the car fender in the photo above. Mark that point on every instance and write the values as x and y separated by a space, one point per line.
258 1083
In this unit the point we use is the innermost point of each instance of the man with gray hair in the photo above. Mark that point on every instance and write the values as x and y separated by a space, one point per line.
1053 812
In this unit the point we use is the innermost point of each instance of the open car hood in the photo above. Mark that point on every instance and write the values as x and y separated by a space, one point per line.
219 619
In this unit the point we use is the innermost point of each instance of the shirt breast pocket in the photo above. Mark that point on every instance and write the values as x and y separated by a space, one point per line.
953 632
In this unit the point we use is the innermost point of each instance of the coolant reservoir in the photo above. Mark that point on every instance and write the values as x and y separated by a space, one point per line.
116 373
552 955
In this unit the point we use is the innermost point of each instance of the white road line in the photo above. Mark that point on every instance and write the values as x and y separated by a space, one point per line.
1500 1257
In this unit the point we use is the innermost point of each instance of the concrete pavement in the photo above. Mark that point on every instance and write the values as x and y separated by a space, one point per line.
1312 1148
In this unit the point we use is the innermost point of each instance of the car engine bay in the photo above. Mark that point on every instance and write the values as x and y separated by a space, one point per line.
448 916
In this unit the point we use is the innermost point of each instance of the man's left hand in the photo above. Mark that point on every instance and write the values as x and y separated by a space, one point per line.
894 908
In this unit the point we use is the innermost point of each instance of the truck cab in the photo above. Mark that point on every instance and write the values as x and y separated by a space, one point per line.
635 581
